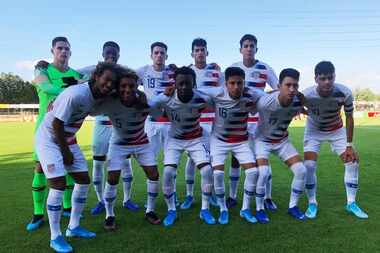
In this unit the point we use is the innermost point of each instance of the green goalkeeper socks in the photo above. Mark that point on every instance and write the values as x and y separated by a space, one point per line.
68 192
39 193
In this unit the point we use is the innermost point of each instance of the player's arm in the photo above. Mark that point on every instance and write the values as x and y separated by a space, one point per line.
272 79
59 134
350 154
41 81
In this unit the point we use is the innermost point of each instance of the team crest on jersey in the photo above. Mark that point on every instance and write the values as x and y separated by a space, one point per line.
50 167
212 74
256 74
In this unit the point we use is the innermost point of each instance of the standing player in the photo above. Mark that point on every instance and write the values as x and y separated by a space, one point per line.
207 75
100 143
257 75
233 103
184 110
276 111
49 81
57 148
129 138
324 123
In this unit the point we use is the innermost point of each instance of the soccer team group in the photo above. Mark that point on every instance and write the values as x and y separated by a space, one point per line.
196 109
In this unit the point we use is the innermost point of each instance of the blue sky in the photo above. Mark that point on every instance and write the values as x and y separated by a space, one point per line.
290 33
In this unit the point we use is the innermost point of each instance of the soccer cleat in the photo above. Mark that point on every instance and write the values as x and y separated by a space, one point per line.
207 217
35 223
98 209
60 245
131 205
355 209
152 218
79 232
248 216
270 205
223 218
109 223
212 200
296 213
170 218
262 216
187 202
230 202
311 211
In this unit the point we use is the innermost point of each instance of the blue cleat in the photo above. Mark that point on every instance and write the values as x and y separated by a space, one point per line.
270 205
98 209
296 213
355 209
35 223
213 201
311 211
187 203
248 216
79 232
60 245
223 218
131 205
262 216
207 217
170 218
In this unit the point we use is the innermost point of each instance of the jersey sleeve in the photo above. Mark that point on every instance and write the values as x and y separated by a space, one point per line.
268 102
42 83
348 103
86 72
64 105
211 92
140 73
272 79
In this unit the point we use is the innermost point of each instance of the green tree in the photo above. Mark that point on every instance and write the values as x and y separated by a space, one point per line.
364 95
14 90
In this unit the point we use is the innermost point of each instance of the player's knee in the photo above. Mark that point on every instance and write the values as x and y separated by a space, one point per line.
234 162
58 183
153 175
113 177
202 165
299 170
38 168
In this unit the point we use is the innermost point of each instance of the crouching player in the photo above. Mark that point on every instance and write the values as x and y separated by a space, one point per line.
324 123
127 114
59 152
276 111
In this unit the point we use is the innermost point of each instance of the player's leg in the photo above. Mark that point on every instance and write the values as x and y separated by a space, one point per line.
97 180
127 177
189 178
268 201
67 196
234 176
110 193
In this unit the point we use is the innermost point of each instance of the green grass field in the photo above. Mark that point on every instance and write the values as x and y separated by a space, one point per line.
333 231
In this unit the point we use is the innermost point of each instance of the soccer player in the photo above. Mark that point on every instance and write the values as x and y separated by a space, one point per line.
49 81
100 143
257 75
207 75
59 153
184 109
324 123
129 138
276 111
233 102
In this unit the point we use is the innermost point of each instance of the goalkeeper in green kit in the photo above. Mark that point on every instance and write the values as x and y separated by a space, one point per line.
50 80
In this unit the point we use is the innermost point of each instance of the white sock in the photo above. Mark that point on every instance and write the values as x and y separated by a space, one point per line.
206 185
351 179
249 187
110 193
97 179
260 187
168 186
127 176
153 188
219 189
78 200
189 177
311 181
54 210
234 181
298 183
268 185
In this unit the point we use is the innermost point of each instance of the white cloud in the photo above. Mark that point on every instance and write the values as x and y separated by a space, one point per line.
25 65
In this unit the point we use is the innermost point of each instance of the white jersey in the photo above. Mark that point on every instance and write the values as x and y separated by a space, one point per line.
324 112
72 106
128 122
274 118
231 117
184 117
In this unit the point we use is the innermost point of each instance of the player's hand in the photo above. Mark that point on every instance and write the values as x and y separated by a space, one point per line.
42 65
350 155
141 101
169 91
301 97
68 158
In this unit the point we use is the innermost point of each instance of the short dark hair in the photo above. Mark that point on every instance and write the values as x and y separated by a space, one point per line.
185 71
158 44
127 73
111 44
57 39
324 68
289 72
101 67
199 42
234 71
249 37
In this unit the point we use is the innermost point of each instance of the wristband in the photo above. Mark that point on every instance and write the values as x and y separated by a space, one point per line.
349 144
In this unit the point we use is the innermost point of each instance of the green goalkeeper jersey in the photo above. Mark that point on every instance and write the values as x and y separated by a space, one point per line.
48 90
